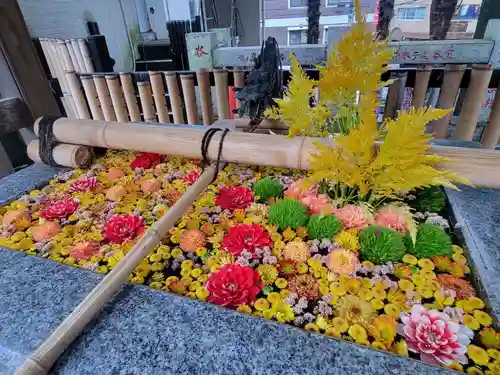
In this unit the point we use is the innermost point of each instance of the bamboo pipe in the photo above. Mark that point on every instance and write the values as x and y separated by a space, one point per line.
187 82
203 77
159 96
48 57
87 60
447 97
72 54
74 156
66 58
115 92
222 94
104 98
60 69
78 55
239 82
43 358
92 98
76 93
474 99
68 107
130 98
146 96
491 134
480 166
175 97
421 83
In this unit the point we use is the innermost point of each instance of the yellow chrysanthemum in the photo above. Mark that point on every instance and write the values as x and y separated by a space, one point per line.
358 333
478 355
483 318
268 273
244 309
354 309
347 239
410 259
471 322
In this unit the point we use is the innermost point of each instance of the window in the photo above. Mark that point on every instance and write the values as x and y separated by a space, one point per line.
297 37
467 12
411 13
297 3
330 3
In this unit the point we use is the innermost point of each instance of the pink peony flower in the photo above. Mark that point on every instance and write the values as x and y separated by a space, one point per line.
393 217
317 204
353 216
296 190
438 339
191 177
83 184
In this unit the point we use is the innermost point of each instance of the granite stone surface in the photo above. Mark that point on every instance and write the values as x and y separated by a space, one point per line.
32 177
143 331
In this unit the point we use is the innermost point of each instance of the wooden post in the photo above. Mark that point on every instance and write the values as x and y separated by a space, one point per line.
130 98
92 98
76 93
159 96
78 55
474 99
491 134
21 58
115 92
395 96
222 94
146 96
421 83
175 97
104 98
87 60
189 98
203 77
42 359
239 81
447 97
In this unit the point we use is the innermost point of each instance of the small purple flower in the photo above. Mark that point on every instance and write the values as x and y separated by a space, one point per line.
309 317
270 259
217 209
242 261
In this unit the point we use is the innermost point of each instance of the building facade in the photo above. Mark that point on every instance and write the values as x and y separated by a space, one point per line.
286 20
411 19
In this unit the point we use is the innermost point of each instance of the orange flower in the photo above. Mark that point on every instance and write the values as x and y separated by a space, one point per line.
342 261
462 288
46 231
115 174
296 250
11 217
150 186
304 285
393 217
317 204
353 216
116 193
191 239
297 190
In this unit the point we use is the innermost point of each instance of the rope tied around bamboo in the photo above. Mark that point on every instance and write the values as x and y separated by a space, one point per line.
42 359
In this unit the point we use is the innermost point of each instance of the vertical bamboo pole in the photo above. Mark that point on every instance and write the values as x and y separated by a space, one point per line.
159 96
87 60
43 358
72 54
66 58
421 83
104 98
146 96
203 77
130 98
474 99
491 134
447 97
68 107
239 81
175 97
78 55
115 92
43 44
222 94
187 82
92 98
76 93
60 67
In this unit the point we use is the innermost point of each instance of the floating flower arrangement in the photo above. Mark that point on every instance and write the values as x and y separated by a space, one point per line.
358 248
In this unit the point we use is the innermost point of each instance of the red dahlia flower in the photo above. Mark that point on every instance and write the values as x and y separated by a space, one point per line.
121 228
59 209
191 177
246 237
234 285
234 197
147 160
83 184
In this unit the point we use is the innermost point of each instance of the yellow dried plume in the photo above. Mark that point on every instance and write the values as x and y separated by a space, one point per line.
349 84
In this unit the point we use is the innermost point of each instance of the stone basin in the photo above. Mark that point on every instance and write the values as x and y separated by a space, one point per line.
144 331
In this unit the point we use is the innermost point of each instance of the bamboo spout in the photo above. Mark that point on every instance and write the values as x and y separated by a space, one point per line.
480 166
42 359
